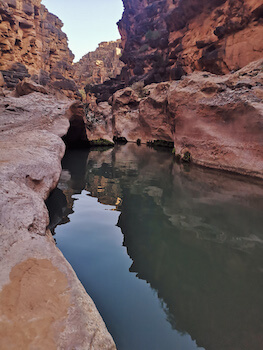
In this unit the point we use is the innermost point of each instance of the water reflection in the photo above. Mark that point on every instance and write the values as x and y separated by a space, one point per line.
194 235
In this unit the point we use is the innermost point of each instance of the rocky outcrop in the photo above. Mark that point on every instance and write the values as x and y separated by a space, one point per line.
163 40
217 119
33 45
42 303
100 65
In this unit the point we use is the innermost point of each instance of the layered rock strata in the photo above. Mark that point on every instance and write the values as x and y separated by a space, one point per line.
33 45
163 40
100 65
218 119
42 303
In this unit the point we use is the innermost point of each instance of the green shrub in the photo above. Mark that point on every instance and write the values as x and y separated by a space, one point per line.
101 143
83 94
186 157
160 143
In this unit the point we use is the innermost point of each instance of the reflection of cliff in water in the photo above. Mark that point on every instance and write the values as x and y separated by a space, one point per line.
72 181
211 291
195 236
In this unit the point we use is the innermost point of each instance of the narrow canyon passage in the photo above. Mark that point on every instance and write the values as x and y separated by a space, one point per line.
146 248
171 254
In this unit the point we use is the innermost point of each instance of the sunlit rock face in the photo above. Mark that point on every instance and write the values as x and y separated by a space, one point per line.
100 65
33 44
162 40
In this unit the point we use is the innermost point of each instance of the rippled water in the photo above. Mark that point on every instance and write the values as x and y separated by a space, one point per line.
172 255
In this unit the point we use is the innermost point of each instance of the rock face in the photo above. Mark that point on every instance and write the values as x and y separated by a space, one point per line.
33 45
42 303
162 40
100 65
218 119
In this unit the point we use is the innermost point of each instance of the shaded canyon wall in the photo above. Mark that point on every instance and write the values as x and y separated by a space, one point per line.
164 39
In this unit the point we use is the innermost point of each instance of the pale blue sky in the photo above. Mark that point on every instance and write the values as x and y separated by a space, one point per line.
87 22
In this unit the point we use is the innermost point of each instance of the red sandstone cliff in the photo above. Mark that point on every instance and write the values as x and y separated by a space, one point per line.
216 115
33 44
164 39
100 65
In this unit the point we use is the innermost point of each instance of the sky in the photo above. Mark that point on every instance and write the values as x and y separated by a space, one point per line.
87 22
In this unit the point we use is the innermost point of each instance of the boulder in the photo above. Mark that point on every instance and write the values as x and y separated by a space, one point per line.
27 86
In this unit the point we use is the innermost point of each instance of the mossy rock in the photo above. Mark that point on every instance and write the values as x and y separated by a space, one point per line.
160 143
120 140
186 157
101 143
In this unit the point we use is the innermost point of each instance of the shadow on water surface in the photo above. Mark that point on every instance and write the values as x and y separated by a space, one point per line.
194 235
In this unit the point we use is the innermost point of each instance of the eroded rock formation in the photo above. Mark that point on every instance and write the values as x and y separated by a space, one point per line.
42 303
218 119
33 45
100 65
164 39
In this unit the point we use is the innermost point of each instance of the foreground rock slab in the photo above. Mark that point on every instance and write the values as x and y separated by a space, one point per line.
42 303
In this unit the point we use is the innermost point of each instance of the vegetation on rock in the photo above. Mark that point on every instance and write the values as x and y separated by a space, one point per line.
101 143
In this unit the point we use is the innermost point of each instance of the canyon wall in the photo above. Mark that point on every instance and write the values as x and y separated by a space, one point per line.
33 45
194 71
218 119
163 40
100 65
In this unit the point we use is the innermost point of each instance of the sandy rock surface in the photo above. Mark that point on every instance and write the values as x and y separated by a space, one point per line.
42 303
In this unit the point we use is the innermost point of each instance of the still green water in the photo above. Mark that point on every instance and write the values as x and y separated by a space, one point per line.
172 255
